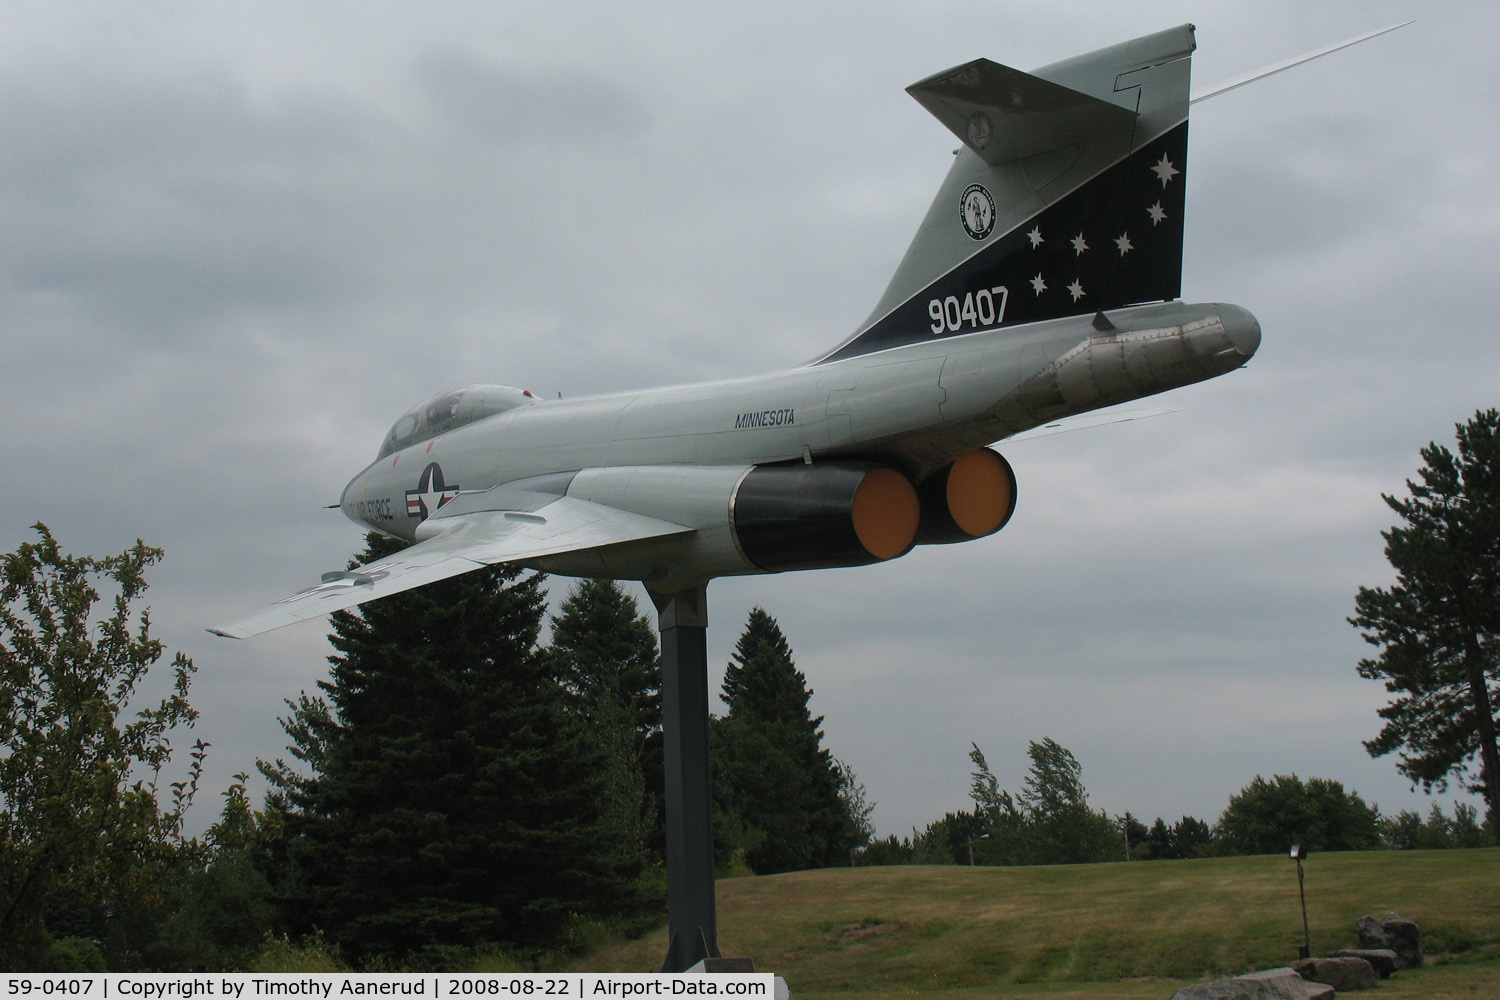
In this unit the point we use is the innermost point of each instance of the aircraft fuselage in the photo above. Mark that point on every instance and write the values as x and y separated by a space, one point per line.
914 408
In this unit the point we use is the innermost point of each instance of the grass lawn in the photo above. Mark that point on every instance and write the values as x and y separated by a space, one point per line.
1114 931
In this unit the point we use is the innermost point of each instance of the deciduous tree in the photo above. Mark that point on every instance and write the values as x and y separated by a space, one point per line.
214 911
1062 827
1001 830
1266 817
1438 625
856 803
1049 821
81 813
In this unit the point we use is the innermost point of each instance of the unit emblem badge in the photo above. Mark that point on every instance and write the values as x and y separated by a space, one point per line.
977 210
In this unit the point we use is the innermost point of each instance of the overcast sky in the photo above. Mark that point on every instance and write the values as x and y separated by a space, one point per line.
240 238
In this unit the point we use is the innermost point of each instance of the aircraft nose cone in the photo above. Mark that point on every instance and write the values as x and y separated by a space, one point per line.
1242 328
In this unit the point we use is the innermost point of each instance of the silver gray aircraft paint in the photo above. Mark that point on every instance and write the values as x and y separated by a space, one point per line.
649 485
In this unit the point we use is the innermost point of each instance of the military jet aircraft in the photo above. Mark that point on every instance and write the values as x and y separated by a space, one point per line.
1044 282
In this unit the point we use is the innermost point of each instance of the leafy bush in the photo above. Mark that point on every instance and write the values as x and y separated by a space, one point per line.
76 954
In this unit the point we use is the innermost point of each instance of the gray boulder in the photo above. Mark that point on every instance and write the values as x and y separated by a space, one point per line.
1273 984
1382 960
1343 974
1396 933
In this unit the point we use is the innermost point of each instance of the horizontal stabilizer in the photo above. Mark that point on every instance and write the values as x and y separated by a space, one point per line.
1005 115
1083 421
528 526
1066 198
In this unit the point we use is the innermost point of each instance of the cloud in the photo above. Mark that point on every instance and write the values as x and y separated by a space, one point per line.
515 110
237 247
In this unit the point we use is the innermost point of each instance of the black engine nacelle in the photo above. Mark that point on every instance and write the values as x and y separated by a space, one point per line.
788 517
973 497
781 517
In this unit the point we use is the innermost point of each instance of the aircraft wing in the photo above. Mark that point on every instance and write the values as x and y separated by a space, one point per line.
514 526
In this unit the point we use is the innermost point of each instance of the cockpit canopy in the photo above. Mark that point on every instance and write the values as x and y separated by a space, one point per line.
451 409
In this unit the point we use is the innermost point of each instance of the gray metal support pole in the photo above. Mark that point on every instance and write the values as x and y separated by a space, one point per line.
691 919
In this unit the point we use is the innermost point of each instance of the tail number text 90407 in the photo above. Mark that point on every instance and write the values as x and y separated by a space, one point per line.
976 311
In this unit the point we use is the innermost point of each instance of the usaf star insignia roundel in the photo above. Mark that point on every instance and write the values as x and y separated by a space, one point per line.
430 494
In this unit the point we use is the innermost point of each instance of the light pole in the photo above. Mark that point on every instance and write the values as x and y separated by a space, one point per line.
982 836
1298 852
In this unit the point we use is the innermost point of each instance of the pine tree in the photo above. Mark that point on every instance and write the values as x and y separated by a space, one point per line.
452 799
772 776
604 651
1135 835
1189 837
1192 838
1159 844
1438 626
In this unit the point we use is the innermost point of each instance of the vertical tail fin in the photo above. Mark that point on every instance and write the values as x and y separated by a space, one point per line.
1066 199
